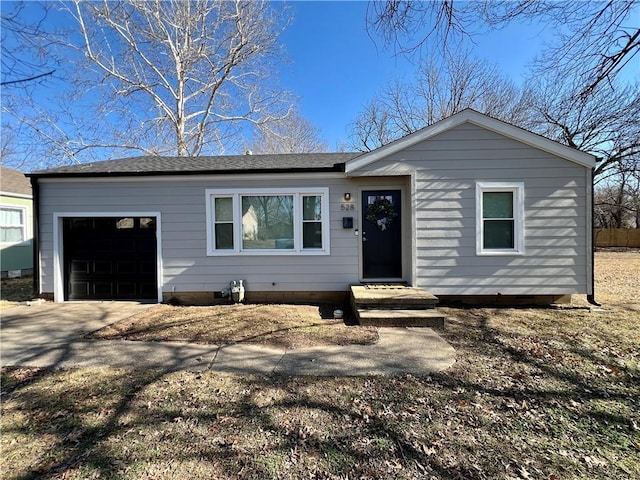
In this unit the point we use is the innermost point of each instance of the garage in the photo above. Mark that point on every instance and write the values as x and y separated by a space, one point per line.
110 258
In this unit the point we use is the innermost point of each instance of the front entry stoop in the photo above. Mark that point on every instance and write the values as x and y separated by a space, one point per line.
383 305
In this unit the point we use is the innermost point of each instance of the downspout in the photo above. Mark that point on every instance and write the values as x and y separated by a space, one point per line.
591 298
35 192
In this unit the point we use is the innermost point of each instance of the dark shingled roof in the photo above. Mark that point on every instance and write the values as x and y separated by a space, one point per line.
158 165
13 181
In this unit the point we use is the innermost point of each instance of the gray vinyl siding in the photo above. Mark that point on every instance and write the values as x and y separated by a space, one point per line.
185 264
437 177
446 168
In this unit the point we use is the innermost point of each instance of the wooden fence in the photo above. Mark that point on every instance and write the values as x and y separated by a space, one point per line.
618 237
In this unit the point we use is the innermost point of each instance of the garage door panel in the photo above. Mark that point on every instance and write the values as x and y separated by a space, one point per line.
147 267
148 290
125 244
102 289
80 266
110 258
127 289
127 266
79 290
102 245
147 244
102 267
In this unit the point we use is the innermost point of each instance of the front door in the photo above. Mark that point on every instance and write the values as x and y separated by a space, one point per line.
381 234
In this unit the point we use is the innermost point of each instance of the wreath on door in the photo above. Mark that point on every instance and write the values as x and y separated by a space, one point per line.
381 213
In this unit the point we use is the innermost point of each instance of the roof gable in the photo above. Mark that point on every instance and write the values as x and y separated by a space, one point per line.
480 120
13 181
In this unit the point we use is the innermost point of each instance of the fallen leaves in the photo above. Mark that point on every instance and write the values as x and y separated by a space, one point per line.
535 393
283 326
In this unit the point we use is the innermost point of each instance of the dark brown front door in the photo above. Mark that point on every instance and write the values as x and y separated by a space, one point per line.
110 258
381 234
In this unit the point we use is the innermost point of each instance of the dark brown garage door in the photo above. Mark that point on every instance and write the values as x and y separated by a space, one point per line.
110 258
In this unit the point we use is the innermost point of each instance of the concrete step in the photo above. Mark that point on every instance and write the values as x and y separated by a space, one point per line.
400 318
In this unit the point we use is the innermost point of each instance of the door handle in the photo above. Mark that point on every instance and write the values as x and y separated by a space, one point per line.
364 236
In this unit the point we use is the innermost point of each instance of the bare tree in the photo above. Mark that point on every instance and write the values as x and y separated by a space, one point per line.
17 35
439 90
157 77
372 128
603 122
617 203
199 67
27 63
293 134
595 41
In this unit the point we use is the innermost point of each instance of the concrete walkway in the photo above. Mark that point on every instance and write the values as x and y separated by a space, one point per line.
52 335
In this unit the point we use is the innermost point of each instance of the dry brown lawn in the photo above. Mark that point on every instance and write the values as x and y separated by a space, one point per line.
285 326
534 394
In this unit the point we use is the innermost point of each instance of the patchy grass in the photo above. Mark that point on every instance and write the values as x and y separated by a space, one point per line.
15 290
535 393
286 326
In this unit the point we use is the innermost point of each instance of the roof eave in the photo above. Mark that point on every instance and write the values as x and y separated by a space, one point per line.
338 167
16 195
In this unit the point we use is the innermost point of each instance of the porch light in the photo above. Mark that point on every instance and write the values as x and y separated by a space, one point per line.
347 196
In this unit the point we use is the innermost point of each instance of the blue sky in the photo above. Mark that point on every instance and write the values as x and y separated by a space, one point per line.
337 67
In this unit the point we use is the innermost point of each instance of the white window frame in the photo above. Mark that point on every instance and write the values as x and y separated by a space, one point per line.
237 194
25 224
517 188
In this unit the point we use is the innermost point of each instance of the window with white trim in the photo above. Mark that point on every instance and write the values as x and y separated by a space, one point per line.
268 221
499 218
13 224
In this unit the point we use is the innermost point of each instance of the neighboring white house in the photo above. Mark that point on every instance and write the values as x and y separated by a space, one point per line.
467 207
16 218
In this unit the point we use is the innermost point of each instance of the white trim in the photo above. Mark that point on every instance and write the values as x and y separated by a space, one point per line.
26 220
297 193
413 210
518 217
192 178
483 121
58 243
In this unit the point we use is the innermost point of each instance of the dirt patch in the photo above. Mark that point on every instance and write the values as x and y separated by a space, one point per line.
284 326
15 290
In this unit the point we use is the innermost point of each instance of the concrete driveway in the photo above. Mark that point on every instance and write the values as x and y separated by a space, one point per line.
46 322
52 335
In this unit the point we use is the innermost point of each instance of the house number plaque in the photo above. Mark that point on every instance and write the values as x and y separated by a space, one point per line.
348 206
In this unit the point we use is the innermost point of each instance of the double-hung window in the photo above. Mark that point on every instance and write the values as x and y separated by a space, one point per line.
13 224
499 218
268 221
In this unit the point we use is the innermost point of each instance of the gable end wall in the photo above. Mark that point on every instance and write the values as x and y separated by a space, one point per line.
446 169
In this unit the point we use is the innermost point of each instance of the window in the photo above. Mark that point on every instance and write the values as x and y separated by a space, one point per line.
499 218
312 221
13 224
268 222
223 223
